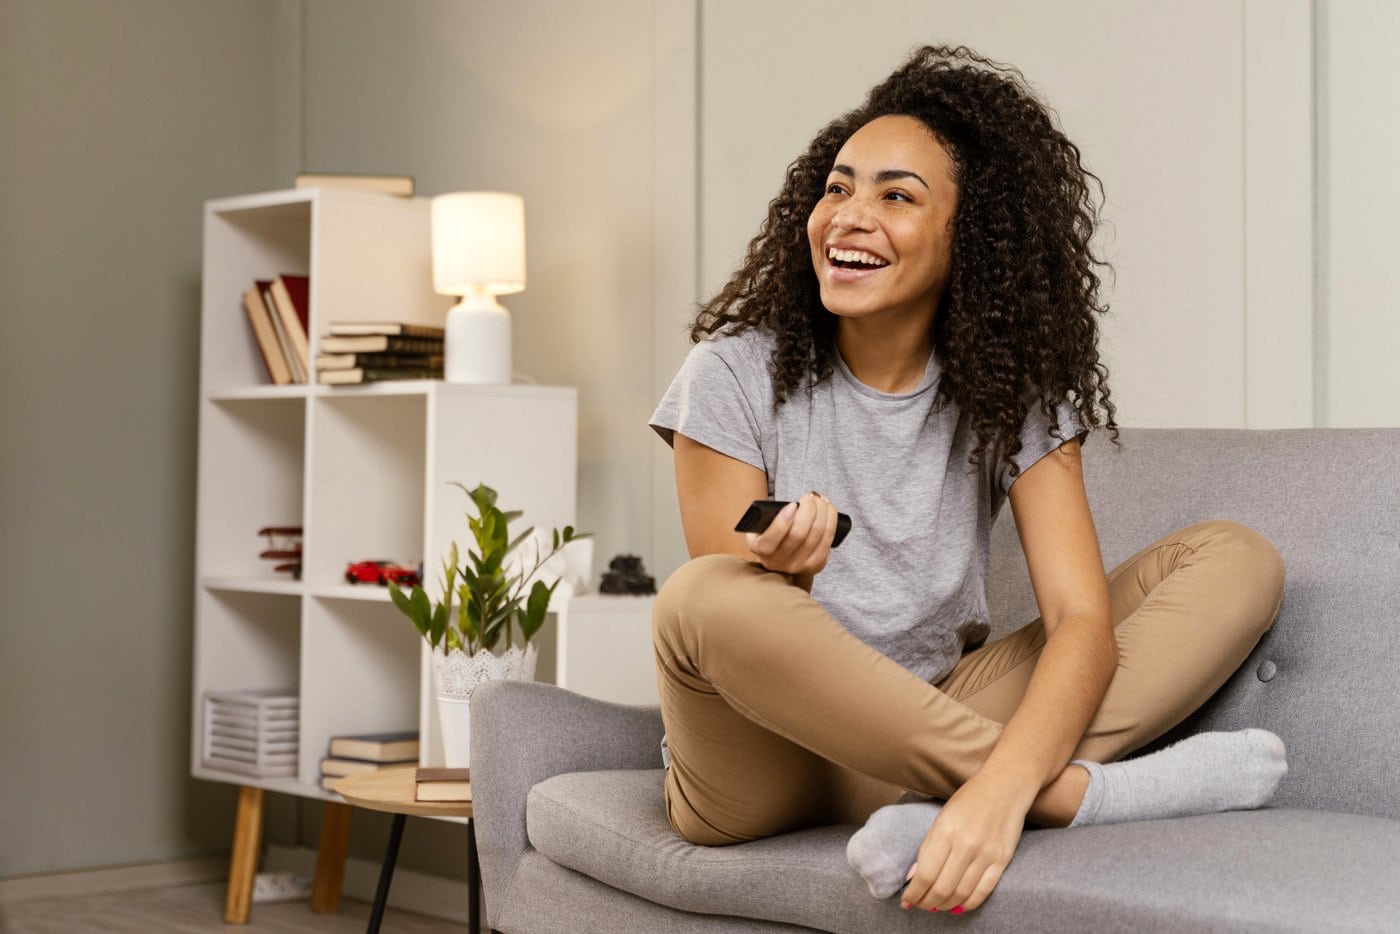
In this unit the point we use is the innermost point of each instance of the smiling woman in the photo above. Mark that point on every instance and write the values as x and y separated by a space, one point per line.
913 334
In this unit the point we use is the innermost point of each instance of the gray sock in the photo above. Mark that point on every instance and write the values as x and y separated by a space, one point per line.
1201 774
883 850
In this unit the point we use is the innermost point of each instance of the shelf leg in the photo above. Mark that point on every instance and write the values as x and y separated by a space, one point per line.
330 858
243 863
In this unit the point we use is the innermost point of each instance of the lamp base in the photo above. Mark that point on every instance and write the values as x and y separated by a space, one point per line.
477 342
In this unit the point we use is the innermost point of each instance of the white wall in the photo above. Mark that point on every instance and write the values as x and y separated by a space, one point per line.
1195 115
1358 98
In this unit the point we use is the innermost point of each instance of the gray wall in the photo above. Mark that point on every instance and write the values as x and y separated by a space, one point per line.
117 120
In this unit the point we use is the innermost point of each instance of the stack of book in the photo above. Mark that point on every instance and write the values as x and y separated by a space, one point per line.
367 352
279 311
440 784
251 732
367 752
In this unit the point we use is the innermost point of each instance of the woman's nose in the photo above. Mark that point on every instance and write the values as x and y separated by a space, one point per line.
851 215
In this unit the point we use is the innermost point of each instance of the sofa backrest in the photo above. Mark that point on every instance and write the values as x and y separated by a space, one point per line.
1325 677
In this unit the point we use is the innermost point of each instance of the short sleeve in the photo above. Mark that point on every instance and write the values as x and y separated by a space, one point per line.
714 400
1040 435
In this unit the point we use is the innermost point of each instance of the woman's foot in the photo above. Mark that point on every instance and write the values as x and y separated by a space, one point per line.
883 850
1201 774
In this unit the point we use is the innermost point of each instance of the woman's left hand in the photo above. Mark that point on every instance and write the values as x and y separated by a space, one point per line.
968 847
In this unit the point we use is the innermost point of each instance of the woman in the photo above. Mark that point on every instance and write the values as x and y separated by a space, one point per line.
913 334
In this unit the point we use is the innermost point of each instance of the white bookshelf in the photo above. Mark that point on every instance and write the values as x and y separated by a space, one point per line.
364 470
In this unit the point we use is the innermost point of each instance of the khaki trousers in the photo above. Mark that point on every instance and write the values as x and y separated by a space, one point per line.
777 718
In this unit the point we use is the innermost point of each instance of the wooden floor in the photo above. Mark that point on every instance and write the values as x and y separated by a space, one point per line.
195 909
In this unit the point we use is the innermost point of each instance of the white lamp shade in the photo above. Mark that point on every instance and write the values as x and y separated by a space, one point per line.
478 243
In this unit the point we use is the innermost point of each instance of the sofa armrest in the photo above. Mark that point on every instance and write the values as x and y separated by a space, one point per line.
523 733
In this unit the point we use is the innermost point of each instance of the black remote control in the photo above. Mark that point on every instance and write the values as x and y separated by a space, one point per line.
761 513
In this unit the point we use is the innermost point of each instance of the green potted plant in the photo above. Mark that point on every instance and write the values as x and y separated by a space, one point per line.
490 608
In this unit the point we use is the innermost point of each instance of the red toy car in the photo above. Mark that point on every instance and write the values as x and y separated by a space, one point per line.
380 572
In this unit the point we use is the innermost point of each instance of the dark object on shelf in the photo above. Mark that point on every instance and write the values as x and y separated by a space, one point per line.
380 572
284 545
625 574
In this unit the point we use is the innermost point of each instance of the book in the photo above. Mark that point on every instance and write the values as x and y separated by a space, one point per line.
340 767
266 338
382 361
442 791
401 185
361 374
284 340
382 343
376 747
291 301
436 773
400 328
442 784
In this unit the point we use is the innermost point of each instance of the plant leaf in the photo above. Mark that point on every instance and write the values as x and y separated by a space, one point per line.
438 625
536 608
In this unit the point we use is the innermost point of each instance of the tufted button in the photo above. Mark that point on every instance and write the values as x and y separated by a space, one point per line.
1267 670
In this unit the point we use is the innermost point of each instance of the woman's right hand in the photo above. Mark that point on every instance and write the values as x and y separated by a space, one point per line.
798 542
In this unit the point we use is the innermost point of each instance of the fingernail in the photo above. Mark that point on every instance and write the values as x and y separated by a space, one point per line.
957 910
933 909
904 905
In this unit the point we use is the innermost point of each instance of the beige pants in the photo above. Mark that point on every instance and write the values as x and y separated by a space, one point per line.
777 718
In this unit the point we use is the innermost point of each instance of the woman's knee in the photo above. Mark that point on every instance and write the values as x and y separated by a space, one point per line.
696 588
1255 562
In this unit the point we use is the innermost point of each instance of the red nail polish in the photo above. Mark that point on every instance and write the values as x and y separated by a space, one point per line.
904 905
958 910
933 909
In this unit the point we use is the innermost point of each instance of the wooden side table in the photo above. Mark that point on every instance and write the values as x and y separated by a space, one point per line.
392 791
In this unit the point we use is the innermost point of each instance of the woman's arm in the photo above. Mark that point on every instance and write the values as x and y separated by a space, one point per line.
973 840
715 489
1080 654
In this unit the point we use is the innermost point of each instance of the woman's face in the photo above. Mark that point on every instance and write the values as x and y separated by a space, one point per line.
881 236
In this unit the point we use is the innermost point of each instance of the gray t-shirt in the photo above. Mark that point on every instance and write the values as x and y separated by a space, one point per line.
910 579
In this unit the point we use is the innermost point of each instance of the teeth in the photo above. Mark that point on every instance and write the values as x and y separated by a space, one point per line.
855 256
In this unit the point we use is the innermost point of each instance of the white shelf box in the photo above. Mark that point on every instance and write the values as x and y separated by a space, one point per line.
368 256
365 468
359 674
244 641
250 475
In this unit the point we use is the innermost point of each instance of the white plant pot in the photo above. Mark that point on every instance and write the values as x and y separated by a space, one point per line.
456 676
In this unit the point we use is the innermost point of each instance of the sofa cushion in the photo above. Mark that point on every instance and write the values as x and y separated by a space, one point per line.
1257 870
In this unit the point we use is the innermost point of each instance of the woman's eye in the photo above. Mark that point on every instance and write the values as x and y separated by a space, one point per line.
835 188
898 196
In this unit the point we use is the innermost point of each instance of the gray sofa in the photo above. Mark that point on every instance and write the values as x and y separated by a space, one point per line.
572 828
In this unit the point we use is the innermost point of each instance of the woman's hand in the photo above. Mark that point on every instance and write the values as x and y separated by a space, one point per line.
798 542
969 846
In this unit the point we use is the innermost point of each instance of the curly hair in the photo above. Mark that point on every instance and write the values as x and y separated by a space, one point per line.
1017 321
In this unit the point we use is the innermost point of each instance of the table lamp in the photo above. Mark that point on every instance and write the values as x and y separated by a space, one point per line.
478 253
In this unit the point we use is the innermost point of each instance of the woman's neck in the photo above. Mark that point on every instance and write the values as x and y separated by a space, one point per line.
889 357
